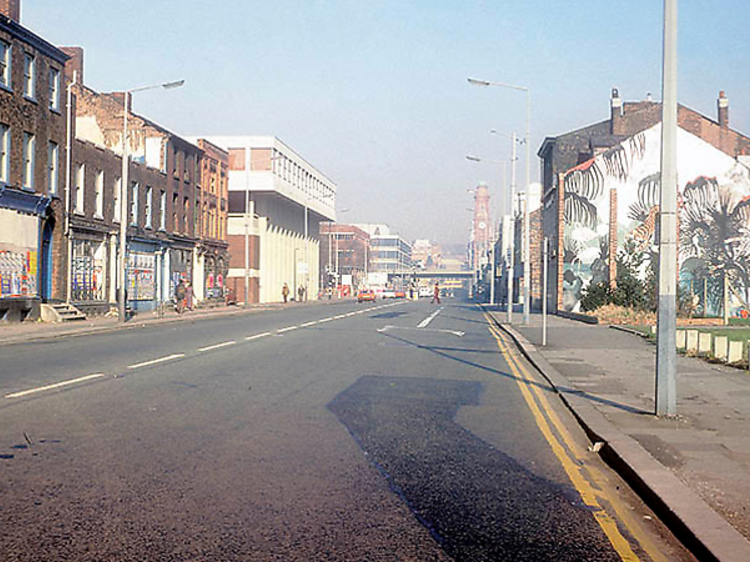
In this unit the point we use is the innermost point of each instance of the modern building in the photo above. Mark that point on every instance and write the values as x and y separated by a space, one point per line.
277 201
344 255
601 201
33 106
388 252
427 255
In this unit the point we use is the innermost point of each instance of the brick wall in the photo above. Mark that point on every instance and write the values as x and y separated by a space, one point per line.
11 9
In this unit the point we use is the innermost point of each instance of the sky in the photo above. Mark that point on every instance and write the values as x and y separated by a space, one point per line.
374 93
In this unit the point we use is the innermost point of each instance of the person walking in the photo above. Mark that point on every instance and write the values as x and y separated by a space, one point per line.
301 293
436 294
285 292
179 297
188 295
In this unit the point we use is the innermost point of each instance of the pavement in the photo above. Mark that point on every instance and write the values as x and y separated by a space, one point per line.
32 331
692 469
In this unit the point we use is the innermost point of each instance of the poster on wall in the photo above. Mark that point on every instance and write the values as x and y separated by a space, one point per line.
18 273
141 276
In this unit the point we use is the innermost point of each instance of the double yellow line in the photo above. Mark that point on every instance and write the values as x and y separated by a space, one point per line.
588 480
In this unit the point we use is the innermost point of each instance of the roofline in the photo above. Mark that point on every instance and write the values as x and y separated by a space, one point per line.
33 39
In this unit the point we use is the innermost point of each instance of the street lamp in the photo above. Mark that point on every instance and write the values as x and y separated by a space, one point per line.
124 210
526 224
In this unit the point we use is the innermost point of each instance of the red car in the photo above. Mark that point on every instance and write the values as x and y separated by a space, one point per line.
366 295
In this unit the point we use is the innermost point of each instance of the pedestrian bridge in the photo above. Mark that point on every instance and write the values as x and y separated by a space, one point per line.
438 274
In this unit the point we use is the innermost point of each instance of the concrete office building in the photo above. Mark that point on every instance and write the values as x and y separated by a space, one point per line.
277 201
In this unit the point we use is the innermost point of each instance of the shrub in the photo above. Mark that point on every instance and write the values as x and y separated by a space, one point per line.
595 296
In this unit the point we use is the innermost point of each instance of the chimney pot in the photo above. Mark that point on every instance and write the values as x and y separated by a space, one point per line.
723 110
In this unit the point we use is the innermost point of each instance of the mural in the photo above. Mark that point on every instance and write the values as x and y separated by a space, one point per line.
713 219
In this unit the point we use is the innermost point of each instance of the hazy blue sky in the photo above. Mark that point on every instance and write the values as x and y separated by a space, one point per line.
374 93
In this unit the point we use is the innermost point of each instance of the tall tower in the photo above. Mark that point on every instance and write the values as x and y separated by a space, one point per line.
482 227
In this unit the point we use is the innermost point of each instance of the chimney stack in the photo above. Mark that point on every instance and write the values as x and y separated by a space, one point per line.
11 9
119 97
723 110
616 122
75 62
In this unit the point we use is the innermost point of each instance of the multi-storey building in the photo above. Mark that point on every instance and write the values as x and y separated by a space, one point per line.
32 153
162 195
344 254
388 252
277 201
212 200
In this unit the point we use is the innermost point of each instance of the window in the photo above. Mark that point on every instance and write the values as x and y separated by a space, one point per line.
185 212
134 204
163 210
175 224
99 213
116 207
54 89
53 169
80 177
4 153
29 143
5 68
149 205
29 75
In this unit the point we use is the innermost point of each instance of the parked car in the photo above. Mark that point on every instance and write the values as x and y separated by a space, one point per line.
388 294
399 295
366 295
425 292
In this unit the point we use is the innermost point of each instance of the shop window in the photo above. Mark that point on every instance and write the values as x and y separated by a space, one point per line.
88 267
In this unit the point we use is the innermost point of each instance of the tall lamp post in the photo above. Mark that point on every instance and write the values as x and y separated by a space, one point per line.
526 224
124 210
666 354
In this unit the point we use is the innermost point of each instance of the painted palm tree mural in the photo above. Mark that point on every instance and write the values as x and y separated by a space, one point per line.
715 243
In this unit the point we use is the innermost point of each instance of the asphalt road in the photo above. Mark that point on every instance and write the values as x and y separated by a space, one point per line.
390 431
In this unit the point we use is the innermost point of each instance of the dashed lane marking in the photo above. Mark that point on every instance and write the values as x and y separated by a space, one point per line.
54 386
258 336
287 329
217 346
155 361
424 323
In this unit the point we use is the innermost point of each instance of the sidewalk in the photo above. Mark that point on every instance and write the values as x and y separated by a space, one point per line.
32 331
681 466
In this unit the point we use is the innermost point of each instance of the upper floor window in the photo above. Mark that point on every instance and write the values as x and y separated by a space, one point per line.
53 167
5 58
29 75
117 199
163 210
54 89
4 153
29 144
149 205
79 194
99 194
134 204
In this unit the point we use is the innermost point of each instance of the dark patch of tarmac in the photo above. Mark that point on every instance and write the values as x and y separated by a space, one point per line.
477 502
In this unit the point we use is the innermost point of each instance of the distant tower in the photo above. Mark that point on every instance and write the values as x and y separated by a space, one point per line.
482 228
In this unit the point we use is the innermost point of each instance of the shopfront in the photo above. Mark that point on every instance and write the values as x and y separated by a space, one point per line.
181 264
142 275
88 269
21 228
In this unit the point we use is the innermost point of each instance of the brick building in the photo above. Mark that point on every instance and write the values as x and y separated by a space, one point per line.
344 250
163 192
32 151
212 200
601 186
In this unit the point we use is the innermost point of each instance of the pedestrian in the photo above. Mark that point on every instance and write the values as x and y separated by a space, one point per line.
285 292
301 293
179 296
436 294
188 295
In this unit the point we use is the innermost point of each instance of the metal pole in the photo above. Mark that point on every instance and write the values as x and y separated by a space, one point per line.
247 227
511 236
544 291
666 350
307 261
68 172
337 267
123 208
492 272
526 222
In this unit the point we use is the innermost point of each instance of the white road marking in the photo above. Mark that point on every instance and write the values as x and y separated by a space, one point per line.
257 336
308 324
53 386
458 333
324 320
424 323
287 329
155 361
217 346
